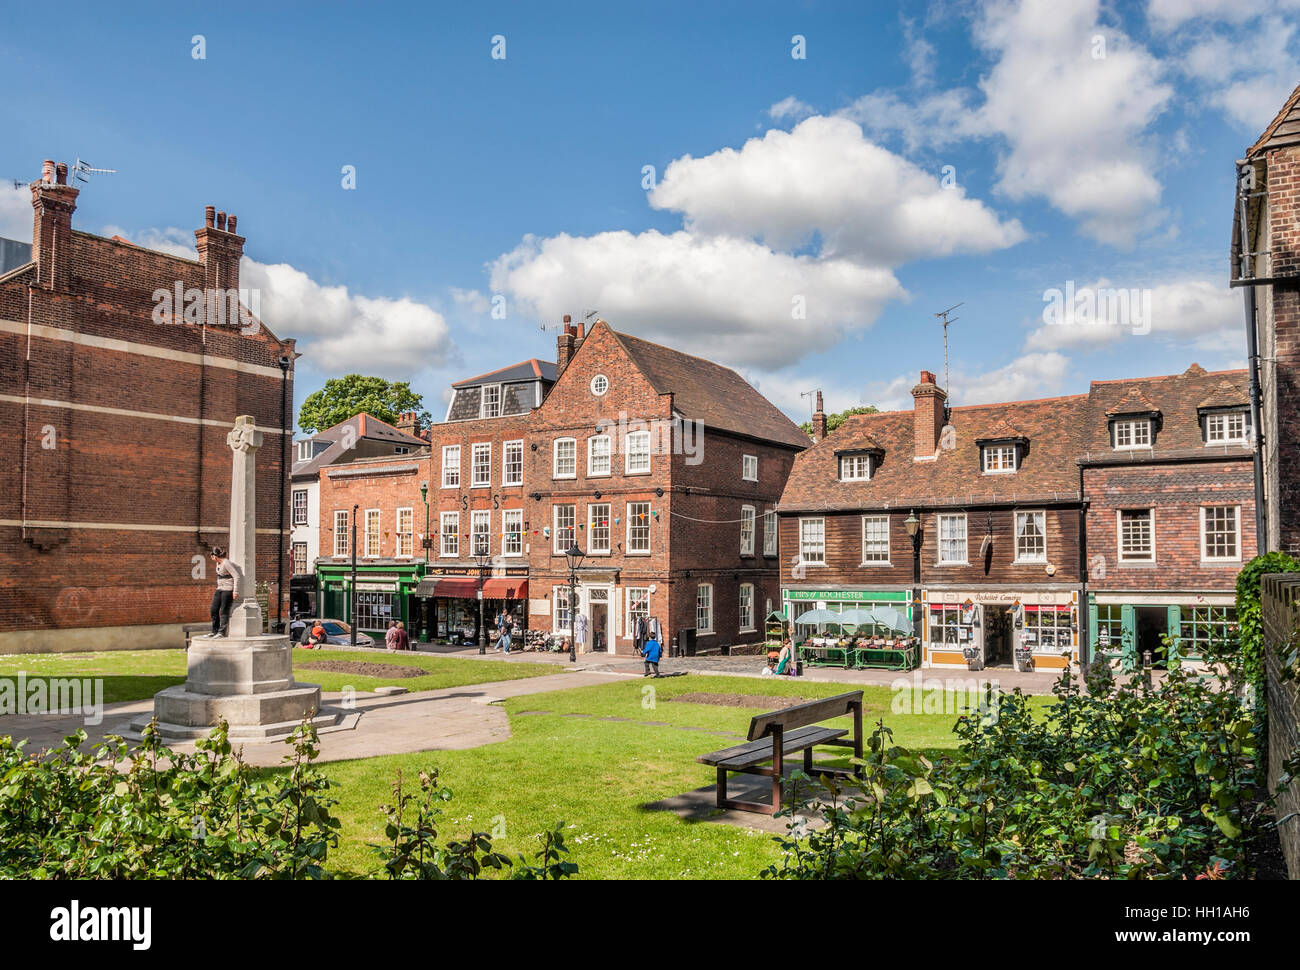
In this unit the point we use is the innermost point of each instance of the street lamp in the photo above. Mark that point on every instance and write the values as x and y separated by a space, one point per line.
575 557
352 617
913 526
427 542
482 559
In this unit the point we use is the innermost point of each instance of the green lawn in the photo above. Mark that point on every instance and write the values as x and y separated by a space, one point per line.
131 675
598 775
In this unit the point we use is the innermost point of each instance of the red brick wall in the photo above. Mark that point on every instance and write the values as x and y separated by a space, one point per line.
1177 492
1284 228
124 469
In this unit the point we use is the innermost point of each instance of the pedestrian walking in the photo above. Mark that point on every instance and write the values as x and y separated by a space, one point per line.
651 652
390 636
223 600
401 639
507 631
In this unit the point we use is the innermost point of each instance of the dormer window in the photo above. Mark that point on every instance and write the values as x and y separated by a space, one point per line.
855 467
490 406
304 450
999 459
1227 428
1128 433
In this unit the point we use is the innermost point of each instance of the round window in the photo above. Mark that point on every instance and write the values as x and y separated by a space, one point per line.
599 384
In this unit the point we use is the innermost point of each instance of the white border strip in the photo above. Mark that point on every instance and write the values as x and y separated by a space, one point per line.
127 413
121 526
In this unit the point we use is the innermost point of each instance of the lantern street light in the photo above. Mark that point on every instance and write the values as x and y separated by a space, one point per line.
913 526
482 558
575 557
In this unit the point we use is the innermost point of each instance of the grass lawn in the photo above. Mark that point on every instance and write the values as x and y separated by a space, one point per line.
597 776
131 675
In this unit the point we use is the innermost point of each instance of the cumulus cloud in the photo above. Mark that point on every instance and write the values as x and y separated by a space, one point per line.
15 212
1029 376
1166 15
730 299
790 108
825 180
934 121
1195 313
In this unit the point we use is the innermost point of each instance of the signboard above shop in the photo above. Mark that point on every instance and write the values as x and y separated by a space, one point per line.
846 596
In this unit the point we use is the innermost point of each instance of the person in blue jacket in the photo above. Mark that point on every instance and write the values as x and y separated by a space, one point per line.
651 651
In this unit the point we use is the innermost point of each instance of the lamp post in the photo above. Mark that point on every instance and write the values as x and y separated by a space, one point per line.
575 557
352 615
913 525
427 542
481 559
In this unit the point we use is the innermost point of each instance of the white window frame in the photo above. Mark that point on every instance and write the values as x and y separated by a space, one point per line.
749 467
408 533
296 508
507 447
1119 536
607 528
634 595
804 545
453 535
555 458
627 537
447 450
378 534
877 519
1224 416
595 389
561 598
607 444
939 539
849 471
704 630
304 450
629 453
743 626
480 524
293 558
556 547
476 449
1041 517
343 536
1132 424
482 401
748 525
507 532
770 526
1205 555
1002 467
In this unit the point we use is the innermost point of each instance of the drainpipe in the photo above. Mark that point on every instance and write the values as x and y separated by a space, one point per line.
284 472
1246 271
1085 641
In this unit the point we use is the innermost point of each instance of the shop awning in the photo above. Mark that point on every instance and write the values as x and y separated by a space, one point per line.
462 587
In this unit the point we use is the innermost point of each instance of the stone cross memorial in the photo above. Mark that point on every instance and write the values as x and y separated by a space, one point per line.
247 676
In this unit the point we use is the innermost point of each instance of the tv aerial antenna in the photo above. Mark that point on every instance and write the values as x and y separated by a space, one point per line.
812 397
547 327
82 171
943 315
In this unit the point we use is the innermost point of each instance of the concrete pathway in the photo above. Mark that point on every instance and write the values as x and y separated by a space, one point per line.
449 719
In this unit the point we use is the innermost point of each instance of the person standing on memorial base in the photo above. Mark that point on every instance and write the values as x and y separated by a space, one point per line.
223 600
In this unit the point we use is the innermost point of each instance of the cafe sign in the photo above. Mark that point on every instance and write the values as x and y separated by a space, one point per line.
844 596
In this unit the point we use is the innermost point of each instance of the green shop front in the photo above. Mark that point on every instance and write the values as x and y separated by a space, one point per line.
384 592
1126 625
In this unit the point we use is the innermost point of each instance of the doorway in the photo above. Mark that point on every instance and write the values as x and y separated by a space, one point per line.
1152 624
997 636
599 626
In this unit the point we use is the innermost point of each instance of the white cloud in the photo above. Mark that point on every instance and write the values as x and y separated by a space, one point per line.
724 298
174 242
475 301
1195 313
15 212
1167 15
824 179
934 121
1025 378
1249 72
790 108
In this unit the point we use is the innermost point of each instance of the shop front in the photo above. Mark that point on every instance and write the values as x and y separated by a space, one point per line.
383 594
1128 625
447 602
1020 628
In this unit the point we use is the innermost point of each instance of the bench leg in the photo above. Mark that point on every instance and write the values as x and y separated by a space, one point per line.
722 788
807 761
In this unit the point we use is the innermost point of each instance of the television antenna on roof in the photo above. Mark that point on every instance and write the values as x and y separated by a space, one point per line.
943 315
82 171
812 397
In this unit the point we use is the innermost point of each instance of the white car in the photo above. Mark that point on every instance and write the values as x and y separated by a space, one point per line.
338 634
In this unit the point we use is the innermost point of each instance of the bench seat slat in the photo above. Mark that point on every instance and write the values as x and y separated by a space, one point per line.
810 712
756 752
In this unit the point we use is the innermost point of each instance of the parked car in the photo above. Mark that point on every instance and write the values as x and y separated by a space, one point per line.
337 634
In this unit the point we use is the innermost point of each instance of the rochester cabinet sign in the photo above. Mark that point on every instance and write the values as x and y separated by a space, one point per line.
840 594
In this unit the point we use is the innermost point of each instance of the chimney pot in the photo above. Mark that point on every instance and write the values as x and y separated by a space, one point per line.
47 170
819 421
927 377
567 318
927 416
61 173
209 215
221 220
230 223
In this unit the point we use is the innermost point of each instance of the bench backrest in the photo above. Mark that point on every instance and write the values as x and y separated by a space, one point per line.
801 715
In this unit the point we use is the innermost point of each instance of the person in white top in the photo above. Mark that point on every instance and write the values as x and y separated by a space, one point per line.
223 600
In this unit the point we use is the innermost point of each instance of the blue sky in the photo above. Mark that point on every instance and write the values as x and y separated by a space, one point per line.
808 215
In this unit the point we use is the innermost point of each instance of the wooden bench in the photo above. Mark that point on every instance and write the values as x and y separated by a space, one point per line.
191 630
776 734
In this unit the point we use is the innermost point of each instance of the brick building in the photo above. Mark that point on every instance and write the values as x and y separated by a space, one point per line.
1094 521
114 468
464 491
662 467
1266 253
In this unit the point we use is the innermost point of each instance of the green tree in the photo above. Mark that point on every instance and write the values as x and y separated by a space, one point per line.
833 421
345 397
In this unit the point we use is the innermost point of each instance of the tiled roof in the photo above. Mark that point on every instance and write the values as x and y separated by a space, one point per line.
1225 395
1061 433
366 426
1283 130
528 370
708 392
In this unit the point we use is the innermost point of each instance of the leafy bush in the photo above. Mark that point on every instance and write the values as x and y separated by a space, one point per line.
1138 782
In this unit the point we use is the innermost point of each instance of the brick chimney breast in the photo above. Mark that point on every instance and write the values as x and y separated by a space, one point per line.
819 420
53 203
927 416
565 345
220 250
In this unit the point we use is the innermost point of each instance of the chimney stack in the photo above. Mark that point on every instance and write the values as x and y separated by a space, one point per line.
409 423
220 250
927 416
565 345
819 421
53 202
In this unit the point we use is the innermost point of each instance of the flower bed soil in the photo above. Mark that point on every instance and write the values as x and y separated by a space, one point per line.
364 669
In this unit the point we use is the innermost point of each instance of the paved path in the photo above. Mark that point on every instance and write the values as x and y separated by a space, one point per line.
436 720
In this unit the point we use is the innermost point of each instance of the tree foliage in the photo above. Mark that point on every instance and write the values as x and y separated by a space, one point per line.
344 397
833 421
